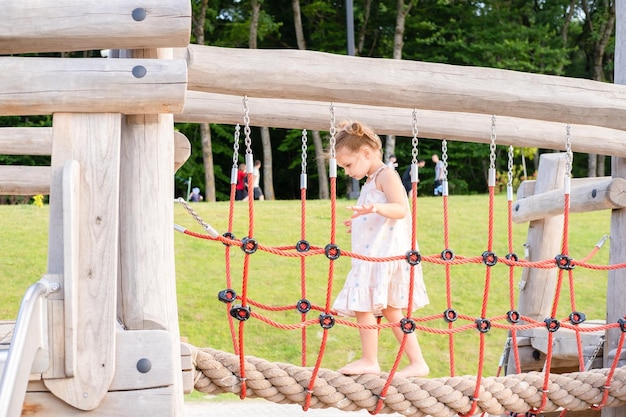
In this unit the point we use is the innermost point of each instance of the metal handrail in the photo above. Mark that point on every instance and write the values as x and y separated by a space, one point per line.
29 336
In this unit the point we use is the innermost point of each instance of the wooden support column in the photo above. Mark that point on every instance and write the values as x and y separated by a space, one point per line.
147 281
616 288
93 140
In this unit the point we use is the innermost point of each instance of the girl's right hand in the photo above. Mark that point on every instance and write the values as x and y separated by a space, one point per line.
348 224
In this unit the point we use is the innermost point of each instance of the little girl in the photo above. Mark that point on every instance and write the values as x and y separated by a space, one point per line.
380 227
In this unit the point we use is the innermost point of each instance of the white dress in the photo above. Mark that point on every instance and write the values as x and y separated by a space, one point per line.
374 286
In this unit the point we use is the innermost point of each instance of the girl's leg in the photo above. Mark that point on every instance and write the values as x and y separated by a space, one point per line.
417 364
368 364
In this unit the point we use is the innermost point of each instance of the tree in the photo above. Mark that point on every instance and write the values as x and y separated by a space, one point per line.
198 23
598 27
317 138
268 182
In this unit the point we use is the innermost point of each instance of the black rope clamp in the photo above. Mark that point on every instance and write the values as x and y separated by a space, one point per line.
576 317
622 324
332 251
303 246
407 325
249 245
413 257
227 295
489 258
303 306
241 313
513 316
450 315
512 257
552 324
327 321
447 255
483 325
564 262
228 235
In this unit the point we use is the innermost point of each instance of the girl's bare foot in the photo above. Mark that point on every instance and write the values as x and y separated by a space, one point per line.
360 367
415 370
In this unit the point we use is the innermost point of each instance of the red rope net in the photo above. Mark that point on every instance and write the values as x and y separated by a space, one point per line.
512 321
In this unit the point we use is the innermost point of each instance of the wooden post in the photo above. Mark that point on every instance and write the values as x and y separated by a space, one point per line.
147 279
93 140
615 300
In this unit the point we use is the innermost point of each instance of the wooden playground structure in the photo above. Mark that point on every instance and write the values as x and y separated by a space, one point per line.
98 333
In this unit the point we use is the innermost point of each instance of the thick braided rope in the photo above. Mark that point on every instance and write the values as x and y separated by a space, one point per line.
216 372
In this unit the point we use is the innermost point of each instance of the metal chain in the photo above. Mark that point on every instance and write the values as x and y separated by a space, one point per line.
193 214
236 146
568 152
510 167
246 128
415 141
595 353
304 149
492 145
332 131
444 158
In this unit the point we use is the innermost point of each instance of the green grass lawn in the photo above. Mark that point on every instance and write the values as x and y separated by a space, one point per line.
276 280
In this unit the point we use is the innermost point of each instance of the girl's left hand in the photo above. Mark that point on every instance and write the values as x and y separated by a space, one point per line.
361 210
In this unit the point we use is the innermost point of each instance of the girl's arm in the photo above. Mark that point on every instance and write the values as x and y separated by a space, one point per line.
396 207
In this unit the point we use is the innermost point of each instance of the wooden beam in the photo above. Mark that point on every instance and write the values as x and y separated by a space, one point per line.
527 188
130 86
25 140
599 195
317 76
151 402
182 150
24 180
203 107
75 25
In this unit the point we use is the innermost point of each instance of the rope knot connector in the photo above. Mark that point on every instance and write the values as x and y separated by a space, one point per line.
552 324
512 257
227 295
622 324
447 255
407 325
513 316
564 261
303 306
229 236
413 257
576 317
332 251
249 245
327 321
450 315
489 258
241 313
303 246
483 325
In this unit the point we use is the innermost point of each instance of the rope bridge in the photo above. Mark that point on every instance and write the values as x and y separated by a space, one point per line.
217 372
531 392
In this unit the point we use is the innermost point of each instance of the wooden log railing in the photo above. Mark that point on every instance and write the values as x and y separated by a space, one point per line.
75 25
33 180
601 194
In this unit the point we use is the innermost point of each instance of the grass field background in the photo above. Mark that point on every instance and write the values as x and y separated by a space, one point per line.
275 280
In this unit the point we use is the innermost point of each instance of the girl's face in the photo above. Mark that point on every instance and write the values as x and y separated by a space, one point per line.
356 164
